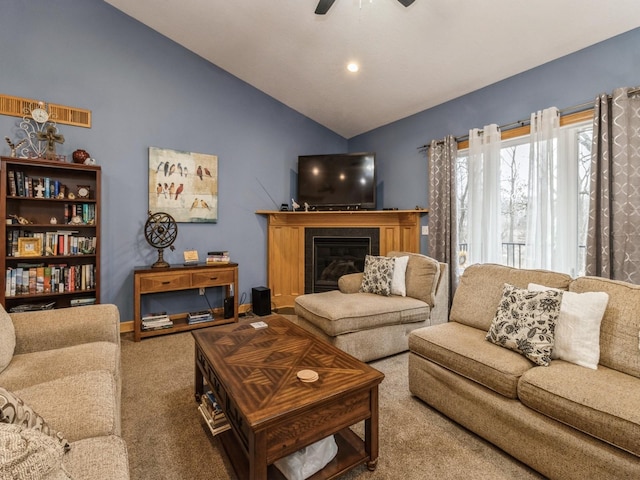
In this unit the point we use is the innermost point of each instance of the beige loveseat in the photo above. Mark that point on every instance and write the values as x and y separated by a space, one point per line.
564 420
370 326
65 366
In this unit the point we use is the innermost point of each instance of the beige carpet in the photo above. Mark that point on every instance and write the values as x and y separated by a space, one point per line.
168 440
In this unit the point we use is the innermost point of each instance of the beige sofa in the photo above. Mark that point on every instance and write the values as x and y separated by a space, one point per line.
370 326
564 420
65 366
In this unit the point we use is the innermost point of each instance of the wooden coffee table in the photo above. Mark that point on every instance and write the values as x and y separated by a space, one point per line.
253 374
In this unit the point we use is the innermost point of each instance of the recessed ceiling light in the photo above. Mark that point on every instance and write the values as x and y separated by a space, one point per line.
353 67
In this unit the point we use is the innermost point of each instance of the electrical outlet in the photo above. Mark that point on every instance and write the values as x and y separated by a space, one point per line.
425 230
201 291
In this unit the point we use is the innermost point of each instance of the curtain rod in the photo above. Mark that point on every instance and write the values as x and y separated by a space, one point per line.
523 123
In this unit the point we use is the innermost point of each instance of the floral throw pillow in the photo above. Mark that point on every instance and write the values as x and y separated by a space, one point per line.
377 275
525 322
14 411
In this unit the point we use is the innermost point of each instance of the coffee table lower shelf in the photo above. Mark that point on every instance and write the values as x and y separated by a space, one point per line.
351 453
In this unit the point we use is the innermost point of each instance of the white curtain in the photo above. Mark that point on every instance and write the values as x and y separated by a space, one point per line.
485 219
550 234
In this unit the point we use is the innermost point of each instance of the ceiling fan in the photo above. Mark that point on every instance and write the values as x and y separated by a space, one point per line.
324 5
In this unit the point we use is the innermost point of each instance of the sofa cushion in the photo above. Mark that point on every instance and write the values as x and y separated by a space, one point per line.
577 335
103 457
480 290
33 368
7 339
464 350
620 327
525 322
602 403
377 275
14 411
83 405
336 313
30 454
421 277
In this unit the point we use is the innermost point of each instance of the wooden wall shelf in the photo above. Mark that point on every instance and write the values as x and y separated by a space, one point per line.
399 230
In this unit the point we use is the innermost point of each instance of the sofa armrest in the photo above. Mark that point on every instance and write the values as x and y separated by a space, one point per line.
440 310
64 327
350 283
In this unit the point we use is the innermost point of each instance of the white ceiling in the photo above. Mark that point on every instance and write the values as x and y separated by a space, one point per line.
411 58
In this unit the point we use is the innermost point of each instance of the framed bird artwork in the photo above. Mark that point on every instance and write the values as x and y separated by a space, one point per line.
184 185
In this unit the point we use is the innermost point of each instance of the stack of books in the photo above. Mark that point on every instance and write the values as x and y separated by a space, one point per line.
213 414
80 302
215 258
156 321
197 317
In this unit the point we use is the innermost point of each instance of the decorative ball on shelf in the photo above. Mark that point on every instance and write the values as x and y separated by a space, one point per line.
160 231
79 156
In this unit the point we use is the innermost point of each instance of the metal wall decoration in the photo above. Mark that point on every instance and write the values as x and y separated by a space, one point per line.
184 185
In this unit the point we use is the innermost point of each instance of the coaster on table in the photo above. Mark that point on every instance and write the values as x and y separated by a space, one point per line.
308 376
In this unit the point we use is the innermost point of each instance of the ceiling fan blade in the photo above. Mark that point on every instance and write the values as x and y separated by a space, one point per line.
406 3
324 6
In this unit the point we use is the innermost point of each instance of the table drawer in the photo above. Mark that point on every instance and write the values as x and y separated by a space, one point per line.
161 283
211 278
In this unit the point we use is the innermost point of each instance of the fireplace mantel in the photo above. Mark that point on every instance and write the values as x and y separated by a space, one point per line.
399 231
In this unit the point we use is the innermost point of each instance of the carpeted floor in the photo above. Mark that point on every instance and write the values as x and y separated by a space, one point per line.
167 439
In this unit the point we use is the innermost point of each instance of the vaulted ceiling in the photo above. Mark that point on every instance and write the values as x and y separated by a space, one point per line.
410 58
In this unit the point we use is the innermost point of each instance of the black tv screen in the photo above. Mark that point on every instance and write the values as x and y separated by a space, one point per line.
342 181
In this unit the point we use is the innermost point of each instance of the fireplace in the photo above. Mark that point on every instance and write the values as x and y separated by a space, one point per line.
333 252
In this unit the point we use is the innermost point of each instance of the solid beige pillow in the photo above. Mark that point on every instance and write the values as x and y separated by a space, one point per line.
7 339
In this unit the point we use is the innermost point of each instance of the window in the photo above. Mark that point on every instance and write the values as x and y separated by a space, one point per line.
574 146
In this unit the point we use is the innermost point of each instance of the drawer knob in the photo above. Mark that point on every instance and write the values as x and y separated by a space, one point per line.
213 278
166 283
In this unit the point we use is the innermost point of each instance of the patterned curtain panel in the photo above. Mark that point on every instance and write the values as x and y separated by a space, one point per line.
613 238
443 231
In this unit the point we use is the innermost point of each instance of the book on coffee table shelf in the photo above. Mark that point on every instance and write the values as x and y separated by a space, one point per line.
213 414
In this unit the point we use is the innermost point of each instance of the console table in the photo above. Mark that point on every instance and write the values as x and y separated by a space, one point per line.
148 280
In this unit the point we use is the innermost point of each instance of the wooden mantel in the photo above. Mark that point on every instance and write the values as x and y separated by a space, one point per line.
399 231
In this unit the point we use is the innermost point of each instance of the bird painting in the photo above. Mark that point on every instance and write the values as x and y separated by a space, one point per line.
180 168
172 189
165 190
159 167
207 172
159 189
172 169
204 204
166 168
199 171
184 169
194 204
179 190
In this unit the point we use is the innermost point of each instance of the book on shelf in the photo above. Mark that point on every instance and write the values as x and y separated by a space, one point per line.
79 302
31 307
215 257
156 321
155 315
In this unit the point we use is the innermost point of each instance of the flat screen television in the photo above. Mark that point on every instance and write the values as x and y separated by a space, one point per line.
343 181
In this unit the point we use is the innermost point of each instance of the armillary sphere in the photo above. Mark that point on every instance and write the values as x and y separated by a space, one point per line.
160 231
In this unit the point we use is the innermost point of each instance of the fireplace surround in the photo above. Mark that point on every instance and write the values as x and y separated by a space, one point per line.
332 252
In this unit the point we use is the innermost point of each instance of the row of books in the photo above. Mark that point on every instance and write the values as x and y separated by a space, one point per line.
213 414
217 257
156 321
21 185
59 278
62 242
83 212
199 317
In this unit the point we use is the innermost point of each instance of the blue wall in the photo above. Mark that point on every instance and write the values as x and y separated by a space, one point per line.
568 81
144 90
